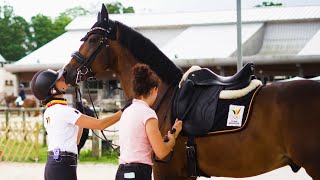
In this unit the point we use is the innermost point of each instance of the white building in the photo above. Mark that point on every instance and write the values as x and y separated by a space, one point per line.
8 81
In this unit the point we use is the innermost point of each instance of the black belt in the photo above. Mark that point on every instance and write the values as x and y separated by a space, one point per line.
65 154
135 165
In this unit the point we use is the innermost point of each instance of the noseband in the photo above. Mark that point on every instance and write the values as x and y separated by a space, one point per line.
85 64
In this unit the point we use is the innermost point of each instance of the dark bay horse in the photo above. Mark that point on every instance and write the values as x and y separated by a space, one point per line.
284 125
27 103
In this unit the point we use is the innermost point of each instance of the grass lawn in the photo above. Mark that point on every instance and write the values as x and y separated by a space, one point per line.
85 156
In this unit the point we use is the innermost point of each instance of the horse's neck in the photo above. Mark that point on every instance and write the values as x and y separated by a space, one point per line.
123 61
123 68
125 78
162 93
162 106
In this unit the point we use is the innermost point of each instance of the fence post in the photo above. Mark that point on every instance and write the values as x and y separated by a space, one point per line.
23 114
96 144
7 116
44 139
37 142
23 122
7 120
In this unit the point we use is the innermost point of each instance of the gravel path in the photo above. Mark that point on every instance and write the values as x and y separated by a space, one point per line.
30 171
34 171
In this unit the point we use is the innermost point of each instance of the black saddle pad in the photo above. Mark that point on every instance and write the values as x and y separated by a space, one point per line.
203 113
233 114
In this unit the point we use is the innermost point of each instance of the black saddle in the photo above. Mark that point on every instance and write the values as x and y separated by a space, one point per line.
196 101
238 81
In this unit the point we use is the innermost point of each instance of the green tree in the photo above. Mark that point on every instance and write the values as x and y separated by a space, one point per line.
19 38
118 8
75 12
45 29
60 23
14 34
42 29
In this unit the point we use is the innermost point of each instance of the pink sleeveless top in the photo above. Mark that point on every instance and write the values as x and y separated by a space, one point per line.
134 143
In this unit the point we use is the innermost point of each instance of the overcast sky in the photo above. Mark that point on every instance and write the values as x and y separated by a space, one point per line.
52 8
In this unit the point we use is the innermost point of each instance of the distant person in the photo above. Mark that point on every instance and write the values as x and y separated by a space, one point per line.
21 96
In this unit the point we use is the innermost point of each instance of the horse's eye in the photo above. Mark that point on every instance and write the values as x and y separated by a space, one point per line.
93 40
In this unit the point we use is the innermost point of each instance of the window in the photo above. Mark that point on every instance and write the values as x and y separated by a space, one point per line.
8 83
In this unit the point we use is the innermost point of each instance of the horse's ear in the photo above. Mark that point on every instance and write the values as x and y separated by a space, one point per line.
104 13
99 17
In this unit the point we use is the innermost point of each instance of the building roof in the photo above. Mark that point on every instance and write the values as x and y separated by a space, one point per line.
265 14
213 41
288 38
269 35
312 47
54 54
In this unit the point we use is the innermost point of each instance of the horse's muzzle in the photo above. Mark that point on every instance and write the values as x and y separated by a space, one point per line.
69 78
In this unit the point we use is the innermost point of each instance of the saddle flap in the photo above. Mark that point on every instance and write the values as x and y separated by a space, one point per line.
184 97
196 106
202 109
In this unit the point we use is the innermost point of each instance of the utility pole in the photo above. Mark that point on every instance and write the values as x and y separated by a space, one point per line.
239 37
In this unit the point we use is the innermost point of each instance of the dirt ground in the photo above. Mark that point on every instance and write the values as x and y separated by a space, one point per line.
34 171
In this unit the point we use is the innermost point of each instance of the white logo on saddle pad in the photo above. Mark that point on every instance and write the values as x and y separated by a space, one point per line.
235 115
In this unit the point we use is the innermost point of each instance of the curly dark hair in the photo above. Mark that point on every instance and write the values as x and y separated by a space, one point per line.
144 79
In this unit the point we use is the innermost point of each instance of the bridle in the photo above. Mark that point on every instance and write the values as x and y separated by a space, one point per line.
85 67
85 64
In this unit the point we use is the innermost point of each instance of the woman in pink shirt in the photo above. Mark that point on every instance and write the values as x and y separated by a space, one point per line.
139 133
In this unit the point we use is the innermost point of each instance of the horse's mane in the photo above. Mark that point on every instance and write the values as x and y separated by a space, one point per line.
148 53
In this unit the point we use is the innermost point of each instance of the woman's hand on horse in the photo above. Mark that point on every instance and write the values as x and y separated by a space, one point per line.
178 127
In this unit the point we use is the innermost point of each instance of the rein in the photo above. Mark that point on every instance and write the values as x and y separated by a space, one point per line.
78 100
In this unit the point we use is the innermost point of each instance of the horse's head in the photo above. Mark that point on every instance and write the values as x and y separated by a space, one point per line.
111 45
92 57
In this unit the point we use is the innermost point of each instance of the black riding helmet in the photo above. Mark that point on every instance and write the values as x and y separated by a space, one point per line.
43 83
